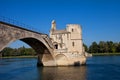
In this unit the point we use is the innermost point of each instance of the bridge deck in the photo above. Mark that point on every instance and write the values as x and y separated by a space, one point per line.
12 25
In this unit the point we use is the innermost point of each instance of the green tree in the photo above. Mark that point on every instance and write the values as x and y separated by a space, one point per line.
104 47
85 46
17 52
101 47
93 48
111 46
7 51
118 47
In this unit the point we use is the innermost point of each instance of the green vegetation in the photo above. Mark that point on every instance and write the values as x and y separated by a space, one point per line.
97 49
22 51
103 48
105 54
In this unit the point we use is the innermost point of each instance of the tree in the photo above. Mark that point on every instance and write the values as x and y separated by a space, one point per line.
7 51
111 46
101 47
85 46
118 47
17 52
93 48
104 47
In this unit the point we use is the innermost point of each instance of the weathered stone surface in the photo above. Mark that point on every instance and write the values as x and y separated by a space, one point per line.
39 42
67 52
68 45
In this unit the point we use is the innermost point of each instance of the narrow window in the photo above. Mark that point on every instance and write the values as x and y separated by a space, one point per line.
73 44
72 30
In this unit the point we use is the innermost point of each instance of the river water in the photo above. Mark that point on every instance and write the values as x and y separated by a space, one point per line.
97 68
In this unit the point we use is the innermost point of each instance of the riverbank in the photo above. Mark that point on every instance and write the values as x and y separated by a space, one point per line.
105 54
19 57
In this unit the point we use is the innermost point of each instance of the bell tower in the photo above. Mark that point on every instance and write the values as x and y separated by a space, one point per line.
53 25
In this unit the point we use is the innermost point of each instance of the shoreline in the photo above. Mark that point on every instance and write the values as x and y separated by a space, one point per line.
19 57
93 54
105 54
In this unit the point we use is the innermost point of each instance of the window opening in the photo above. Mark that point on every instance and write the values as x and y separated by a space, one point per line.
56 46
73 44
72 30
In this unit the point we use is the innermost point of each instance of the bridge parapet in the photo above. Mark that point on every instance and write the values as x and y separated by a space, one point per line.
47 39
38 41
19 24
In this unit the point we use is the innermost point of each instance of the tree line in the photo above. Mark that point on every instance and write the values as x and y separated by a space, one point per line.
8 51
103 47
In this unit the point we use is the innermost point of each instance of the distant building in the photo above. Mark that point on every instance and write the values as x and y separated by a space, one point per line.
68 40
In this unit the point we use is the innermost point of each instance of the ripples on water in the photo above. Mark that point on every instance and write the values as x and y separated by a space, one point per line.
97 68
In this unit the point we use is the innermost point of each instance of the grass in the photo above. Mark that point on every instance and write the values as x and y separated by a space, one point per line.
19 57
106 54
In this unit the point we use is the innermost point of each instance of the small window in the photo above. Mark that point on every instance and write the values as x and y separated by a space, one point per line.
72 30
56 46
73 44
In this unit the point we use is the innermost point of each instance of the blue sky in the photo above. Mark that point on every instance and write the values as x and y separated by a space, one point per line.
100 19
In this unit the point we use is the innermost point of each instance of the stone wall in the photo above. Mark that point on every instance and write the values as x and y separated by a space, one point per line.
39 42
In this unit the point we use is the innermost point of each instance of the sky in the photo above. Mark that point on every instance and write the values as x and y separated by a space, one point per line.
100 19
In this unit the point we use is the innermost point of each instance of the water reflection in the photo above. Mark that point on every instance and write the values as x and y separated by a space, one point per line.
62 73
97 68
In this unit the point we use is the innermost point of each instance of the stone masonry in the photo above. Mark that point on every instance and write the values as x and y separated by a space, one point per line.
68 45
62 48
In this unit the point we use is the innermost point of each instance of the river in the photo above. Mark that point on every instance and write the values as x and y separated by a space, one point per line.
97 68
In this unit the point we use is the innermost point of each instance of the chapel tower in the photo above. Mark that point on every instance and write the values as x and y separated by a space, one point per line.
68 45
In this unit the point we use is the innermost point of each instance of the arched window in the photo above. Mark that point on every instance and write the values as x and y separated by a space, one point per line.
73 44
56 46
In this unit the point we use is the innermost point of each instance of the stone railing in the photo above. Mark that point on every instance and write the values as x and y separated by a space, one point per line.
19 24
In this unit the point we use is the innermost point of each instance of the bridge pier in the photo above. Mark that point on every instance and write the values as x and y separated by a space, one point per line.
39 61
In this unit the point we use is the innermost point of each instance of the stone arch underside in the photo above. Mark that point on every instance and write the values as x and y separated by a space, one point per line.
45 57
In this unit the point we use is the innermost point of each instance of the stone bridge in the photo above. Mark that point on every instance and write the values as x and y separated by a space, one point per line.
38 41
41 43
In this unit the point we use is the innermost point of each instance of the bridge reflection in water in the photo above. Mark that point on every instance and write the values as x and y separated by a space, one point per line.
62 73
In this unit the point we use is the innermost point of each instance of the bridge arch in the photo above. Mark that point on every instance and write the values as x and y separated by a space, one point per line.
38 41
42 51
